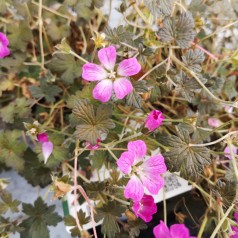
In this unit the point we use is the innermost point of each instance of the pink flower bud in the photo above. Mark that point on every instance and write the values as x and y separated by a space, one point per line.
154 120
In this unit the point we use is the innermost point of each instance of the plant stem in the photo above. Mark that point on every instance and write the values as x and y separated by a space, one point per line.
151 70
77 56
233 159
204 223
216 141
117 199
221 221
233 104
40 22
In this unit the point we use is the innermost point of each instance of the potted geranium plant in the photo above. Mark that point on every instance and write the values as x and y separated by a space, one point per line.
116 119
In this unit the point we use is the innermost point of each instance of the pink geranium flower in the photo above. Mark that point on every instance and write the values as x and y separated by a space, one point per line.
175 231
4 51
228 152
143 172
145 208
47 146
154 120
110 78
235 228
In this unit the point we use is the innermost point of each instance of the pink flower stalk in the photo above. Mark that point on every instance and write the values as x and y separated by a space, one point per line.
145 208
47 146
213 122
110 78
175 231
228 152
143 173
4 51
235 228
154 120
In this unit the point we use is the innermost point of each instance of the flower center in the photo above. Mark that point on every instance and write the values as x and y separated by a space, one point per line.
112 75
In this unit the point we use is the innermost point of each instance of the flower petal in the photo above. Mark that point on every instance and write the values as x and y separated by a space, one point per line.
125 162
42 137
134 189
179 230
103 90
138 149
228 152
107 57
154 165
3 39
122 87
4 51
93 72
152 182
47 148
129 67
161 230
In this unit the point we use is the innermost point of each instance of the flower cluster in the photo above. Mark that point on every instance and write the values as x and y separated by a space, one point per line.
154 120
111 79
144 173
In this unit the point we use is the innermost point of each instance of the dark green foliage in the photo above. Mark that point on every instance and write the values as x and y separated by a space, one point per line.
40 216
12 149
189 160
134 99
193 60
18 109
8 203
160 8
45 90
66 67
109 212
92 123
179 30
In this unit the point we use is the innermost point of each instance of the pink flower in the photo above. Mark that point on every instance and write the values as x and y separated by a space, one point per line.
4 51
154 120
143 173
175 231
111 79
145 208
213 122
235 228
47 146
228 152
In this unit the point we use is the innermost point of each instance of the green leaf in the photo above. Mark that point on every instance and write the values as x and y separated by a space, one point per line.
45 90
134 99
20 108
119 34
193 60
179 30
66 67
109 212
8 203
92 124
12 149
182 157
94 188
35 172
187 86
229 87
226 191
136 226
160 8
20 35
98 159
40 216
